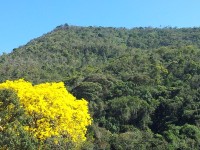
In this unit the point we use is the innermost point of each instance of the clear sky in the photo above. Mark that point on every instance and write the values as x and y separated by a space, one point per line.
23 20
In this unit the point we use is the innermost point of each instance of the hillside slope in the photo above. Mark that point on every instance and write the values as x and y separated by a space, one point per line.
142 84
67 49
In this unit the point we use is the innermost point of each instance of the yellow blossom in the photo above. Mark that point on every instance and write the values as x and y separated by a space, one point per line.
53 109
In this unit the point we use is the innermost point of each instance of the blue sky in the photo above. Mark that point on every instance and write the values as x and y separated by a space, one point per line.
23 20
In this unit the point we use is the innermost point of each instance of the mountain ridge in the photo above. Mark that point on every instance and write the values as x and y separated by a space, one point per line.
67 41
142 84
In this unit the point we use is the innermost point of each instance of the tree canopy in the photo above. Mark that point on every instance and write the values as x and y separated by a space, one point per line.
52 110
141 85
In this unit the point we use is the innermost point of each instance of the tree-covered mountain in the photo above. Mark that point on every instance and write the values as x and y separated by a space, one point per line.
71 49
142 84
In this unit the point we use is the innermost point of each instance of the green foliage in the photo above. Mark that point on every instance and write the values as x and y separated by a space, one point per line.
183 137
129 110
142 84
12 115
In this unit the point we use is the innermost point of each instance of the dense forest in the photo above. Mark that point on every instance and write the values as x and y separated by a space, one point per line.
142 84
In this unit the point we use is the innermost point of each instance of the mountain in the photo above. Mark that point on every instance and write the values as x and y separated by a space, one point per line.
142 84
71 49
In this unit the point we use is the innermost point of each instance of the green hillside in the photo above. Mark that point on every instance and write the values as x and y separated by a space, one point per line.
142 84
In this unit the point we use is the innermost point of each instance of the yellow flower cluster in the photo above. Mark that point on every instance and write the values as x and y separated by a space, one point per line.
53 109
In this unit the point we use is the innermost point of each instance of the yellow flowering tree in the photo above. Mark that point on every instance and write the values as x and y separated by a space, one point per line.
54 111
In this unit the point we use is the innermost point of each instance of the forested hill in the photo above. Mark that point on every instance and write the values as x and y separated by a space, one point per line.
142 84
69 50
